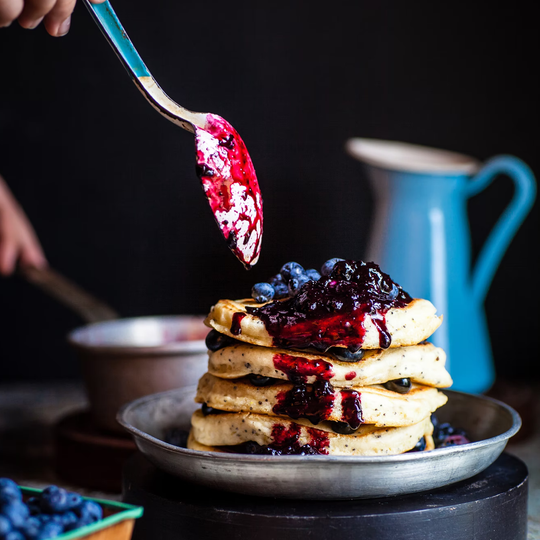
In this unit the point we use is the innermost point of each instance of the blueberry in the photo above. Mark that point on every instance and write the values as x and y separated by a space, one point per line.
9 491
259 380
31 528
296 283
444 434
262 292
306 450
8 483
401 386
176 437
206 410
81 522
390 289
420 446
344 270
328 266
50 529
73 500
454 440
55 499
251 447
33 506
69 517
312 274
342 428
8 495
274 280
215 340
442 431
5 525
281 290
344 355
291 270
17 512
14 535
89 509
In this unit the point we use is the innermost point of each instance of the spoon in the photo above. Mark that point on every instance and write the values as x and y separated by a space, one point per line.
87 306
223 163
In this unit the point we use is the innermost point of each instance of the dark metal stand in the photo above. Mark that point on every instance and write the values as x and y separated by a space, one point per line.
490 506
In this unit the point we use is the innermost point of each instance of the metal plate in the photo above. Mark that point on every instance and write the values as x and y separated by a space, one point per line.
488 423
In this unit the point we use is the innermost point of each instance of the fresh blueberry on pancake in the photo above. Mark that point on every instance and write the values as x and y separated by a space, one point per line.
263 292
344 355
420 446
342 428
328 266
401 386
259 380
291 270
215 341
206 410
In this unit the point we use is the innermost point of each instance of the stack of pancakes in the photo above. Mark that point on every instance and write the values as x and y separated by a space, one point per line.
262 398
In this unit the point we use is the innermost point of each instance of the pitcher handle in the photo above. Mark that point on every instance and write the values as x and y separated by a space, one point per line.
506 227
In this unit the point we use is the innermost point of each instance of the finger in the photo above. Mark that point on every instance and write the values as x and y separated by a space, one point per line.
58 20
9 11
30 257
30 251
34 11
8 257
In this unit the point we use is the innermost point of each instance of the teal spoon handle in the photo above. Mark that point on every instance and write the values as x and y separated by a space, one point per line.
107 20
105 17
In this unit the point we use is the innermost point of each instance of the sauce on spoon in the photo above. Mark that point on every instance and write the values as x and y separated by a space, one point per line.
231 186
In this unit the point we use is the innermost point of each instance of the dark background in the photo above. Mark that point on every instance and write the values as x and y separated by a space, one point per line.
110 185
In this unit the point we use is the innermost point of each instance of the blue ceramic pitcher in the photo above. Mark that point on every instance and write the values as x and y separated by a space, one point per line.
420 236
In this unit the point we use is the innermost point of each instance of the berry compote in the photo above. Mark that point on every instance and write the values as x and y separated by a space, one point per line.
316 401
231 186
331 311
286 442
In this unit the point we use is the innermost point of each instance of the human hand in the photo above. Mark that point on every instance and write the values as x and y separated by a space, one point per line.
18 241
55 14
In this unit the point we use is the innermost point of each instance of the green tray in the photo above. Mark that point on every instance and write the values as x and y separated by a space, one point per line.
116 525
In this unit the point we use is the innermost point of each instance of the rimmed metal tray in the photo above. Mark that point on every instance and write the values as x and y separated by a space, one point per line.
488 423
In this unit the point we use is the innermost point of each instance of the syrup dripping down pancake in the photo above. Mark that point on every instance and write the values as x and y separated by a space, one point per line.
356 405
408 325
423 364
222 432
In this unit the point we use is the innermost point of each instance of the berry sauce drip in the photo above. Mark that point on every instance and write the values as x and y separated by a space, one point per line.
236 323
286 441
231 186
351 407
298 369
331 311
314 402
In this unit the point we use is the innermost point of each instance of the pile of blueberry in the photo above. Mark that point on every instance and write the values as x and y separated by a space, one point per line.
444 434
47 515
290 279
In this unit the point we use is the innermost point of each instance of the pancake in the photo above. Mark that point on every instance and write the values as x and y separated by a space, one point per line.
367 404
423 364
407 325
229 430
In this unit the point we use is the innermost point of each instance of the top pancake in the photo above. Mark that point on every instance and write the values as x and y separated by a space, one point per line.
408 325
